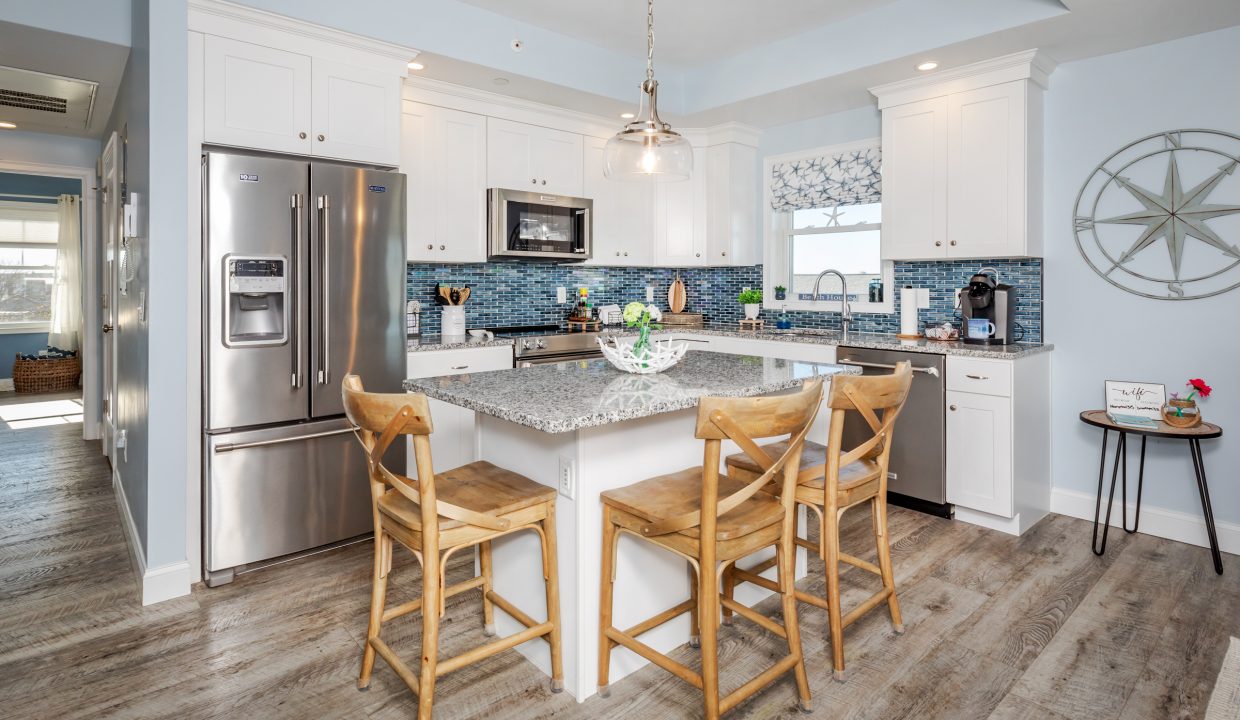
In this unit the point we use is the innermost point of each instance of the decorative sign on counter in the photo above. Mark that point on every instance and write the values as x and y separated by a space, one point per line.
1135 399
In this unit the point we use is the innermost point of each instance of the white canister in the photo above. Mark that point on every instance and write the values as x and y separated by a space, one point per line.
452 320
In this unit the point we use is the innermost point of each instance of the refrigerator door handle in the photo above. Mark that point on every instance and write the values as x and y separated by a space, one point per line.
229 447
297 202
325 352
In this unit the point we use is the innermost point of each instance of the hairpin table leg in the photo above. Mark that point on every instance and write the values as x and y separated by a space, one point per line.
1199 468
1136 517
1120 455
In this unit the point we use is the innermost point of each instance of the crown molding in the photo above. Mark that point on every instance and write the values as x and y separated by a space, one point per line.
1031 65
214 17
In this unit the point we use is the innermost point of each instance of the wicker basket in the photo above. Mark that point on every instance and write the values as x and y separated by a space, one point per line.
46 375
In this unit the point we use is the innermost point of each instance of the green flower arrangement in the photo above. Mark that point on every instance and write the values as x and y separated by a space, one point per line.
637 315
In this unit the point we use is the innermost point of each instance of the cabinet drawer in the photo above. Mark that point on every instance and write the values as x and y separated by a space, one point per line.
975 375
433 363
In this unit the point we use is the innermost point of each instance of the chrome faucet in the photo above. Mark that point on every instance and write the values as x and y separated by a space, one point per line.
845 311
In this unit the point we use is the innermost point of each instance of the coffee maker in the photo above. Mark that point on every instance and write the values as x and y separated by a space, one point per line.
985 298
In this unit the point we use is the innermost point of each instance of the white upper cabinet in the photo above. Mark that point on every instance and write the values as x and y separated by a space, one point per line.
731 204
356 113
533 158
444 156
623 216
680 218
987 172
962 169
256 96
272 99
915 180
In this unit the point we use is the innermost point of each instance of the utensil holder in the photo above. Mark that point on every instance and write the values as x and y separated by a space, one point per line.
452 320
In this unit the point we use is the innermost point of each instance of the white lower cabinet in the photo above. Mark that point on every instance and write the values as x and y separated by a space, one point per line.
979 464
453 442
998 440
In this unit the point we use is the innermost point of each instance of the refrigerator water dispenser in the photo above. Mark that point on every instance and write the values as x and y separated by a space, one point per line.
254 313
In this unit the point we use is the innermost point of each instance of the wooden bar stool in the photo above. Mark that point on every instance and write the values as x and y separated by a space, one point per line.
831 482
435 516
711 520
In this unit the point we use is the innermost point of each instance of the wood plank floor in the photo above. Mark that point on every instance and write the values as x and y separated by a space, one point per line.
998 627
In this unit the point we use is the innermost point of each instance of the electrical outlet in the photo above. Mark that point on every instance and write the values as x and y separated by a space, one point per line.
923 298
649 294
568 477
561 295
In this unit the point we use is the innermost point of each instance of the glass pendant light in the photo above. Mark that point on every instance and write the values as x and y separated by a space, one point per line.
648 148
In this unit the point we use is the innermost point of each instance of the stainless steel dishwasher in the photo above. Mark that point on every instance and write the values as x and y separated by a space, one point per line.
917 477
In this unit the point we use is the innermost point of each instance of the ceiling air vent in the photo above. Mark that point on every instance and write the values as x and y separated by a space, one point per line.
33 99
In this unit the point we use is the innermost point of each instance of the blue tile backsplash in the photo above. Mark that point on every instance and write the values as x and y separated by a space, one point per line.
524 293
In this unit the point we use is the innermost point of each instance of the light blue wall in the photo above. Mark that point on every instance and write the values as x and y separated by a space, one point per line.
1095 107
130 118
33 147
14 343
106 20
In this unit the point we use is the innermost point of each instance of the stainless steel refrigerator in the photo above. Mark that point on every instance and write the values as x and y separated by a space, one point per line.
303 283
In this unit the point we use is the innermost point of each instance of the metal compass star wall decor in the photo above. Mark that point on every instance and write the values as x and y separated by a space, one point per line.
1177 243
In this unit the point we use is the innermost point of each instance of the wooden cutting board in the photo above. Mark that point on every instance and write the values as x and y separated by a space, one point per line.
676 296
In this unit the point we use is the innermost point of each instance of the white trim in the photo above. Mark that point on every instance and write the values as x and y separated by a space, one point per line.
216 17
193 320
33 328
154 584
1025 65
1156 521
91 407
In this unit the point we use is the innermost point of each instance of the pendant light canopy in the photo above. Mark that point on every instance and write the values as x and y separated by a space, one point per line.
648 148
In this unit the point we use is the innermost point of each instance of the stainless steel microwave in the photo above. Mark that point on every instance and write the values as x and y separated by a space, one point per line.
537 226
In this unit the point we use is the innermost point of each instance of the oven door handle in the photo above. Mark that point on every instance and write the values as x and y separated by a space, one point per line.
931 371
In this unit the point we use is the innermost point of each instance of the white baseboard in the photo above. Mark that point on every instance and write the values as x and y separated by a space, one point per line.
1156 521
155 584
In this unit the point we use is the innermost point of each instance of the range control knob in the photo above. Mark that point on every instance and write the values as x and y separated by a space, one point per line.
542 345
525 345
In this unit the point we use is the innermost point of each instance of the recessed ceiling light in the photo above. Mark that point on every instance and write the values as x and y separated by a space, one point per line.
415 65
928 65
627 116
7 125
500 81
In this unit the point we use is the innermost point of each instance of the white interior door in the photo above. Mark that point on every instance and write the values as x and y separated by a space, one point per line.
110 237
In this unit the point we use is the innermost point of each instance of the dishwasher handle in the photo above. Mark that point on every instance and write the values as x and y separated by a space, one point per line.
931 371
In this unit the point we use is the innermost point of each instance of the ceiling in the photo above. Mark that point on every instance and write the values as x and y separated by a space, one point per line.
770 63
55 61
689 33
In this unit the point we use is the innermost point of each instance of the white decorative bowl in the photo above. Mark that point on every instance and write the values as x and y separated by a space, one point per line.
658 356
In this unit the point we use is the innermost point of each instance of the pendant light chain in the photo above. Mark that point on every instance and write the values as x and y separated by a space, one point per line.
649 40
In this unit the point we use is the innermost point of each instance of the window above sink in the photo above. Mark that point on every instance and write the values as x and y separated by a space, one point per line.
824 210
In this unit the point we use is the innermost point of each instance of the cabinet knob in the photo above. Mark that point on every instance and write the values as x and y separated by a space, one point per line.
953 243
626 253
533 181
952 408
322 137
938 243
301 135
724 253
617 253
697 254
430 247
442 247
544 182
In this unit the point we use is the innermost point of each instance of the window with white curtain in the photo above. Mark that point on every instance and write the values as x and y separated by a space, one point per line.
28 234
824 210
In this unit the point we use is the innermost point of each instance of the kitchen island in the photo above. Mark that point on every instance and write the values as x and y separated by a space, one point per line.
586 427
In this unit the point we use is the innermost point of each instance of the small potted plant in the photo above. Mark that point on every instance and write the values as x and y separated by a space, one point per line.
752 300
1182 412
781 292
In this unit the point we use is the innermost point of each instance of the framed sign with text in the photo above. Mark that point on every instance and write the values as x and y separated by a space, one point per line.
1135 398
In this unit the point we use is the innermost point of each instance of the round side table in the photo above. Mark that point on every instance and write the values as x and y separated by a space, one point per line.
1194 436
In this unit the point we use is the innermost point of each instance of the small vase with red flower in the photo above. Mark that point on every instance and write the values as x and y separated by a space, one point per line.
1182 412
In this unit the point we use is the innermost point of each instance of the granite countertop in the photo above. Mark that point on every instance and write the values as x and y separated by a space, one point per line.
422 343
563 397
877 341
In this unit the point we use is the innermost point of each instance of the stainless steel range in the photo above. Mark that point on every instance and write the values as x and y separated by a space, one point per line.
542 344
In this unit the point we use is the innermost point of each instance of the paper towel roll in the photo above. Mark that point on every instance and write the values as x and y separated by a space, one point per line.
908 311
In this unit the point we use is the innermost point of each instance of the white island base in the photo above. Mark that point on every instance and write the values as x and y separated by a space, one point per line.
648 579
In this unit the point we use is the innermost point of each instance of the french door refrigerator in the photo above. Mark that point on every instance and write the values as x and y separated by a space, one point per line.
303 283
